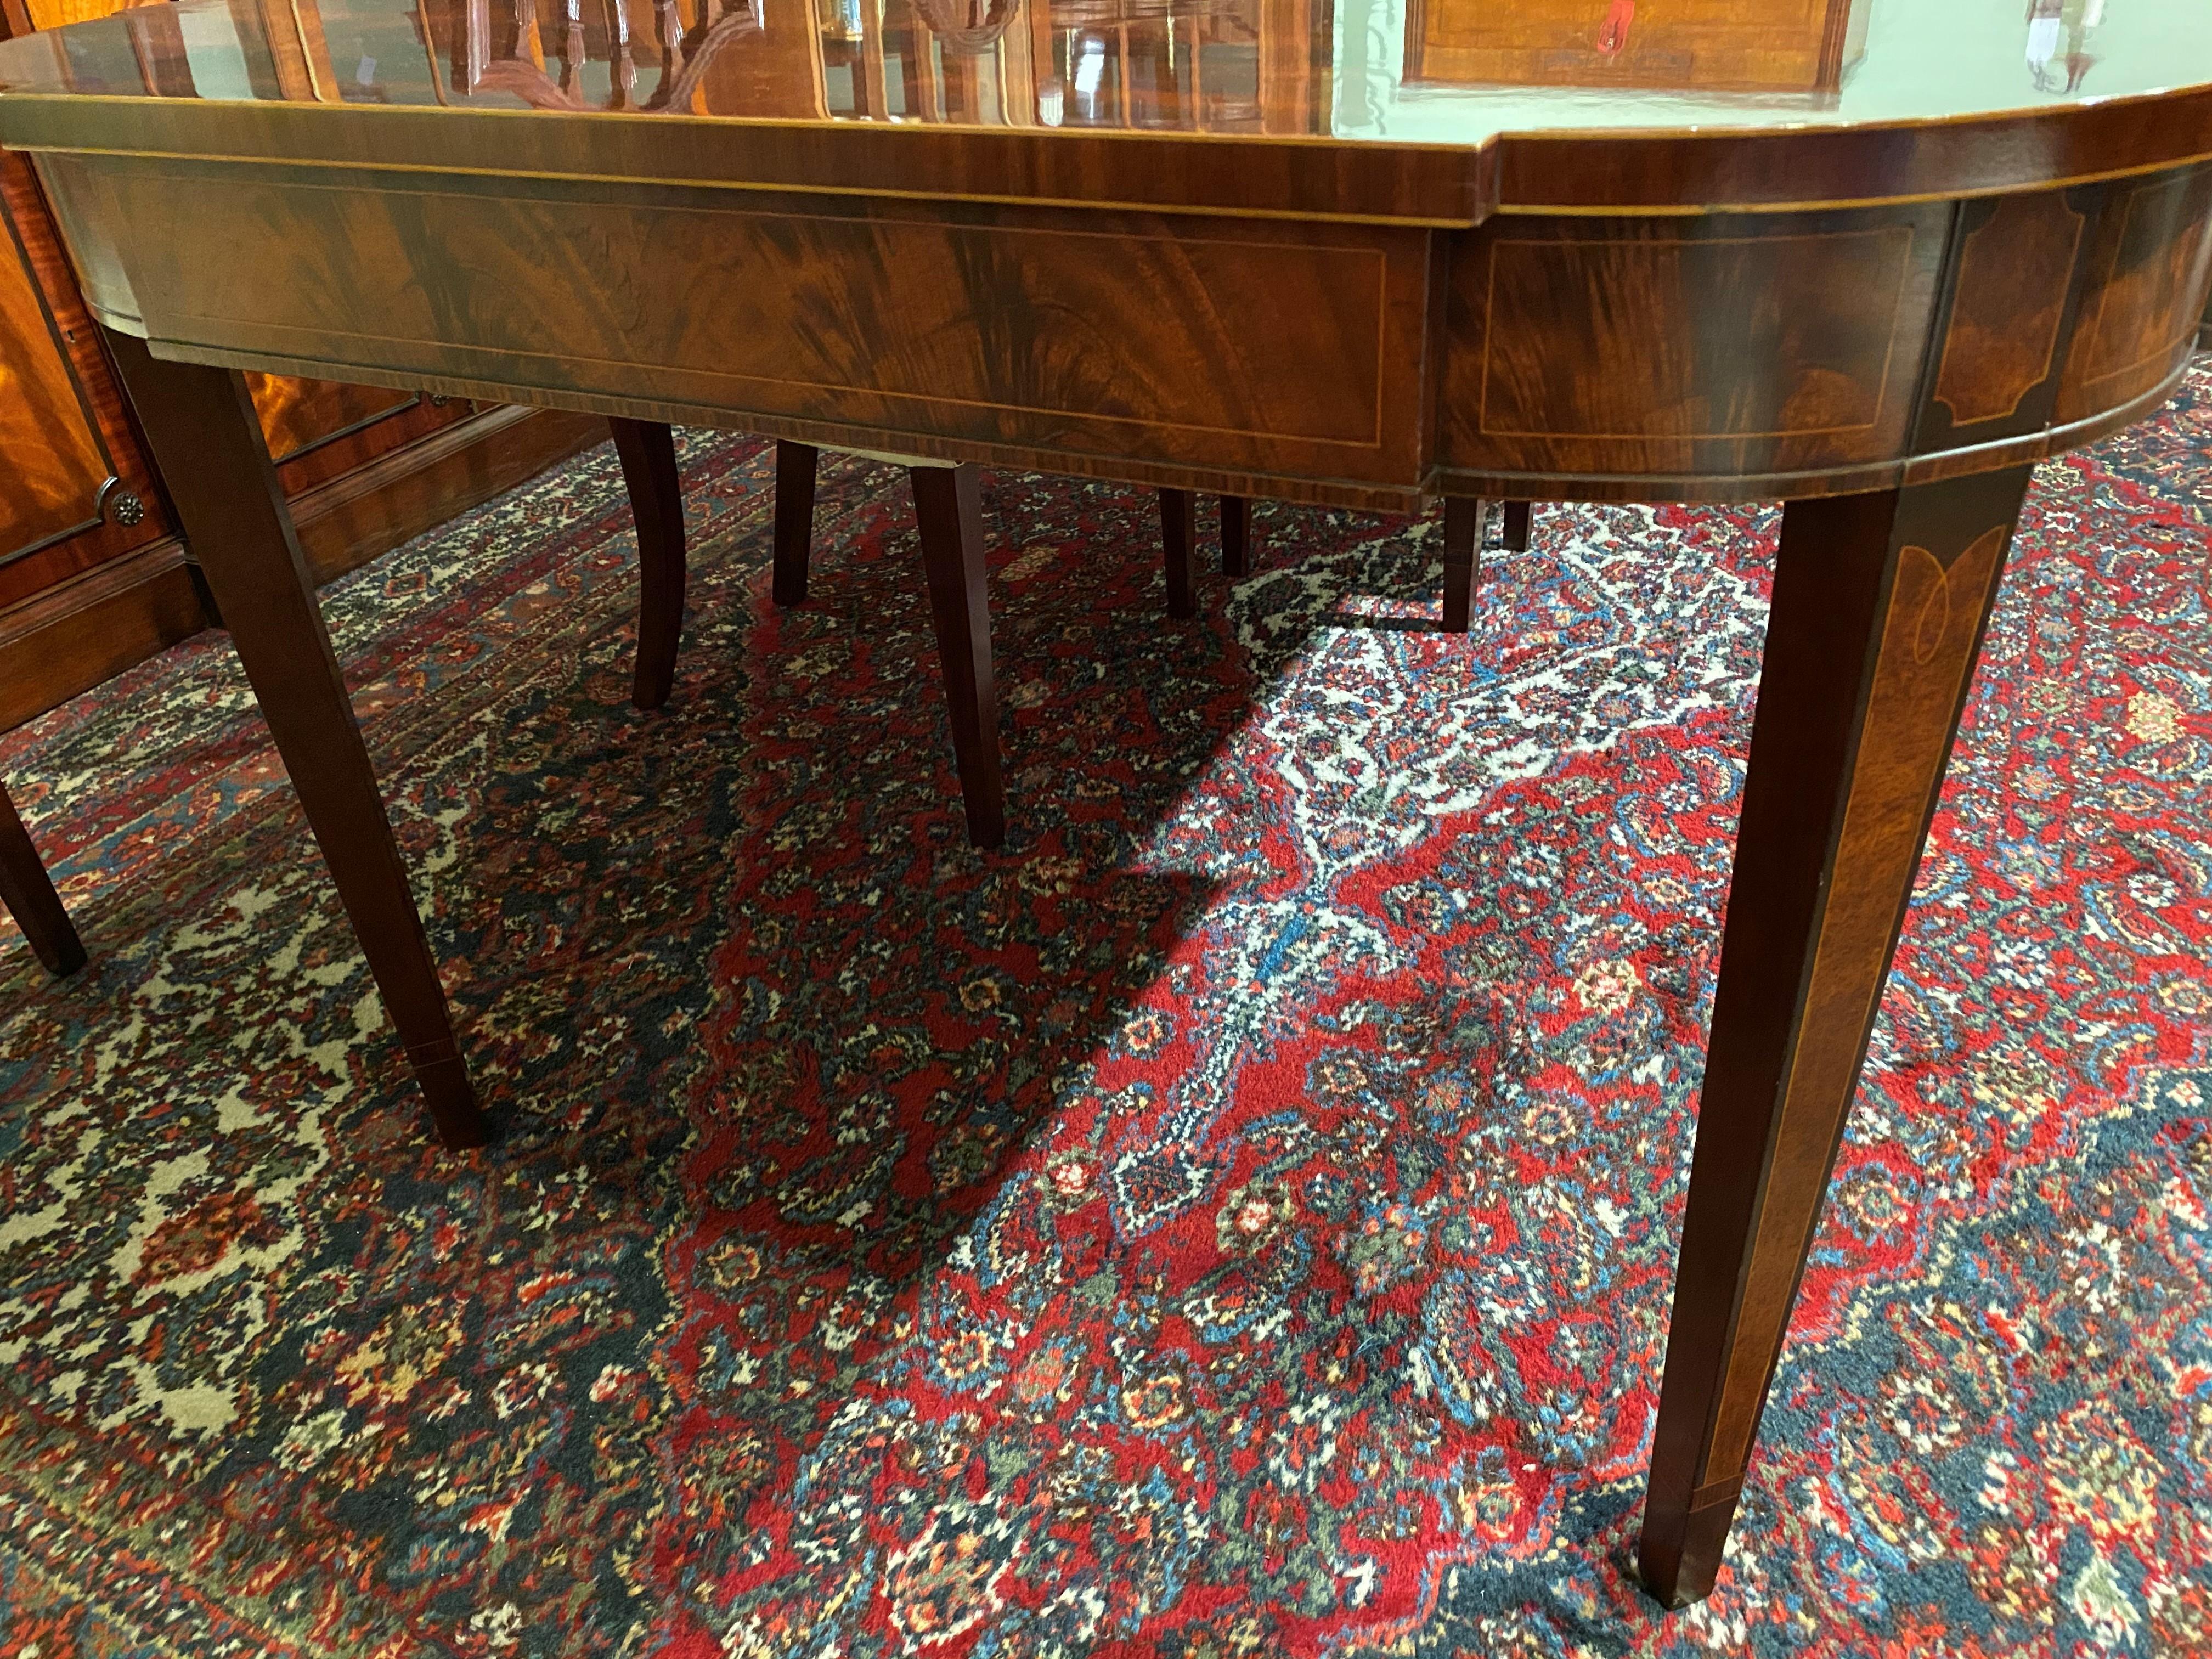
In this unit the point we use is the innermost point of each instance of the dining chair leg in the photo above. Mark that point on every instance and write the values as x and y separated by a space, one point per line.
29 895
1463 517
795 464
1178 516
1235 536
647 450
1880 601
1517 527
948 501
206 440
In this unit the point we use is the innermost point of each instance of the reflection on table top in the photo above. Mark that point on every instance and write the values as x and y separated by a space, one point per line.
1422 71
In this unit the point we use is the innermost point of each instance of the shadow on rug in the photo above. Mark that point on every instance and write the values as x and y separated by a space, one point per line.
1236 1219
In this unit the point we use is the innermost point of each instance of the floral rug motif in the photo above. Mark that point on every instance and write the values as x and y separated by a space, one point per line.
1236 1219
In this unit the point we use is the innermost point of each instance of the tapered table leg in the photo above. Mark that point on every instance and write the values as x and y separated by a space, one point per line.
207 442
795 465
1879 606
1517 514
948 501
30 897
1463 517
1235 536
647 449
1178 526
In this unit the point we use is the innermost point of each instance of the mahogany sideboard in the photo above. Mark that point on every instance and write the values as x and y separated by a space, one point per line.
1079 235
93 575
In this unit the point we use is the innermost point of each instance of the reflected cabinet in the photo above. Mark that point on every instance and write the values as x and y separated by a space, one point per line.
1785 46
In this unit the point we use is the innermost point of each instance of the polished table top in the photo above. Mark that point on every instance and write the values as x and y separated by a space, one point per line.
1899 60
1432 83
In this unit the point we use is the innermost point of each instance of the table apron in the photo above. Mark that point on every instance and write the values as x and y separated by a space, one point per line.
1638 356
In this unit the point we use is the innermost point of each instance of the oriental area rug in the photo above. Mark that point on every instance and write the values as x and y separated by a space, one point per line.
1235 1221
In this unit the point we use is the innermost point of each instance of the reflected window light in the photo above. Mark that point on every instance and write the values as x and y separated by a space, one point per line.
1090 73
213 50
1052 99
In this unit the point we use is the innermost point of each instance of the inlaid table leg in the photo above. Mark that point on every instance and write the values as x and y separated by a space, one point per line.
1235 536
794 519
1178 522
30 897
647 449
1517 514
1463 517
207 442
948 501
1880 601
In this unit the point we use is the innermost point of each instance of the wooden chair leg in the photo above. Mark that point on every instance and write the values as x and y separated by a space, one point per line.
1879 605
795 466
948 501
30 897
1463 517
200 424
1517 527
1178 522
1235 536
647 449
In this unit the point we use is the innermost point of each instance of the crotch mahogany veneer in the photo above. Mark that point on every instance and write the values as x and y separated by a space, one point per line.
1880 301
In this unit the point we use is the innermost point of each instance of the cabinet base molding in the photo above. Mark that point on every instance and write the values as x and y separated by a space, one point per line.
343 524
66 639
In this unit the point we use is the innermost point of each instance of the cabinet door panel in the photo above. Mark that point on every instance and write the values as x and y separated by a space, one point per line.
298 414
55 467
74 491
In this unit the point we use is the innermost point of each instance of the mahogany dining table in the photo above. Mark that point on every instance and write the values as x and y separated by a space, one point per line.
1870 257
